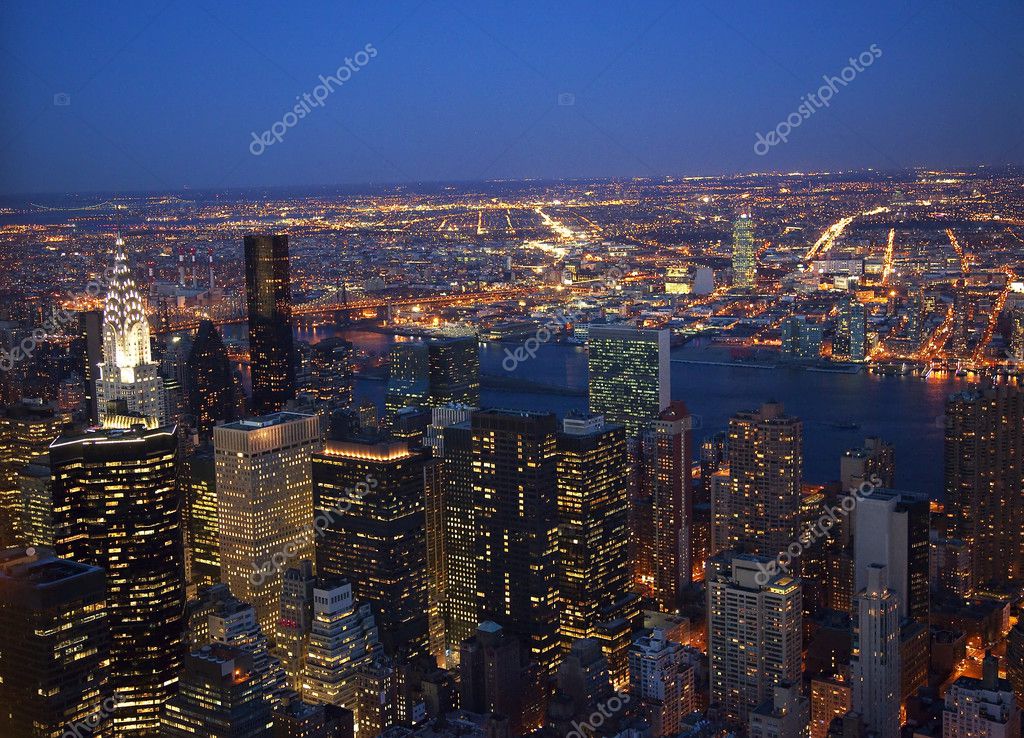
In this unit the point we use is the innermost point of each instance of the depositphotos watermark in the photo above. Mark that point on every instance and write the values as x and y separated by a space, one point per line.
312 99
815 101
278 561
816 531
57 322
604 712
88 726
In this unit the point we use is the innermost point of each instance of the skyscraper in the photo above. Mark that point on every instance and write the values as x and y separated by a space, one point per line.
90 335
370 496
981 707
209 384
219 694
851 342
491 672
433 371
128 371
662 681
755 625
984 457
330 373
504 554
26 430
202 525
271 346
759 510
874 459
629 374
593 531
1017 333
875 662
54 647
665 481
296 621
1015 661
801 338
117 506
744 256
265 504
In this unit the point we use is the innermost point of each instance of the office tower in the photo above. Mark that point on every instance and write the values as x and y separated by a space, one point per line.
209 384
370 498
830 699
54 647
629 374
174 351
744 256
296 620
295 718
983 707
755 630
665 481
36 487
759 509
892 529
26 430
437 570
128 371
491 672
875 661
851 341
90 334
343 638
271 347
202 524
231 622
662 681
330 375
984 458
117 506
785 715
593 534
433 371
1015 661
1017 333
801 338
873 464
218 694
503 528
264 503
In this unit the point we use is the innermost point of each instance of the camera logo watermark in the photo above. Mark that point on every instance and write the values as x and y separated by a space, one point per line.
313 99
815 101
815 532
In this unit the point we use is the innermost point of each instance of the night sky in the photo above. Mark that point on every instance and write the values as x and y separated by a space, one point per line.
115 96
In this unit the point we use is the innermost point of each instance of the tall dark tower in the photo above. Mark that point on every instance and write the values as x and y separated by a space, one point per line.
209 385
271 349
117 507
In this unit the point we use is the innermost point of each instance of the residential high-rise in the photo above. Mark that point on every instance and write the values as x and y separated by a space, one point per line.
26 430
744 255
984 457
54 647
801 338
875 661
219 694
873 464
851 341
830 699
503 554
981 708
128 371
759 512
330 375
593 531
117 506
629 374
209 384
665 482
1015 661
202 524
785 715
755 632
370 496
271 345
264 503
433 371
662 681
342 640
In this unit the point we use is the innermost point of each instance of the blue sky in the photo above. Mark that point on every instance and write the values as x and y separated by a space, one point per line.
164 95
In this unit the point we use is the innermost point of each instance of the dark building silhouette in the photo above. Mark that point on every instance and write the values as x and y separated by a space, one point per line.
330 372
209 384
491 673
54 646
271 346
117 506
90 333
433 371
